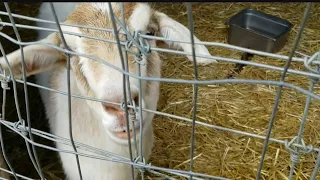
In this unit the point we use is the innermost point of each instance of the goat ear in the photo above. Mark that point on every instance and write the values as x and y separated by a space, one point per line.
37 58
173 30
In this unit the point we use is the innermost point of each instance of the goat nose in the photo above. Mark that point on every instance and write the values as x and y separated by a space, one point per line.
116 111
122 118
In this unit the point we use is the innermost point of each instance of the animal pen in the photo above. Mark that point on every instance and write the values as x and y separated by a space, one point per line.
261 124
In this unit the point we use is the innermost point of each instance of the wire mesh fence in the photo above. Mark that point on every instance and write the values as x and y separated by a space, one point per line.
139 40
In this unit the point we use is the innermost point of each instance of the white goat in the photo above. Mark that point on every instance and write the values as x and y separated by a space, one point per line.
99 124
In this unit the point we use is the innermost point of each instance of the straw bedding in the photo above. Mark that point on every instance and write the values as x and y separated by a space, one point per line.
236 106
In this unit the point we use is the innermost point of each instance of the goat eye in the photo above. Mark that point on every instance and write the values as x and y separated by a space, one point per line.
150 33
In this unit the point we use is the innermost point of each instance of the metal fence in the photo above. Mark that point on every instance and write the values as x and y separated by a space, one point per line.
295 146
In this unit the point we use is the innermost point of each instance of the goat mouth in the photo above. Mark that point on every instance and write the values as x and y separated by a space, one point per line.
124 134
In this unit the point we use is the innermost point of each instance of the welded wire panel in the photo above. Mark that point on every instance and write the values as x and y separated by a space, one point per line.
193 119
283 76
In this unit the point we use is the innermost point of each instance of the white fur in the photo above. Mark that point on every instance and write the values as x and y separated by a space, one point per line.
104 7
45 13
142 15
173 30
92 125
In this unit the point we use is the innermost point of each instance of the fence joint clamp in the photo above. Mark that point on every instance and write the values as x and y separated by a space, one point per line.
4 80
295 151
142 46
21 126
141 169
309 60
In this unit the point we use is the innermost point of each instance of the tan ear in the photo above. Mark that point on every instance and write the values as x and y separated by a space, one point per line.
173 30
37 58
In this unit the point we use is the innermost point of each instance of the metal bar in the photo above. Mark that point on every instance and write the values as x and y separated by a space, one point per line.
275 107
53 22
210 82
18 175
4 86
126 65
137 164
209 126
231 47
195 87
304 118
195 82
3 116
124 83
161 175
261 53
250 63
16 98
68 88
1 140
38 168
316 168
140 119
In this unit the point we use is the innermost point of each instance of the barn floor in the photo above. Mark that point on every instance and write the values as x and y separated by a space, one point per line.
236 106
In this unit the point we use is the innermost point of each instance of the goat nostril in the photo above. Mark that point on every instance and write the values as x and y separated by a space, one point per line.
136 100
150 33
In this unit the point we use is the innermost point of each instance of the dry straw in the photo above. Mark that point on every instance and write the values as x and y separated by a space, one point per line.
237 106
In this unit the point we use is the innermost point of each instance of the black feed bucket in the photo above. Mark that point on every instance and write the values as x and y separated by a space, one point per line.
256 30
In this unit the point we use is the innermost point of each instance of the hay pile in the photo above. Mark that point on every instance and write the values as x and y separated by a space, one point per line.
237 106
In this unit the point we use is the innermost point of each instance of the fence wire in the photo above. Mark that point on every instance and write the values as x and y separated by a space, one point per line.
24 128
